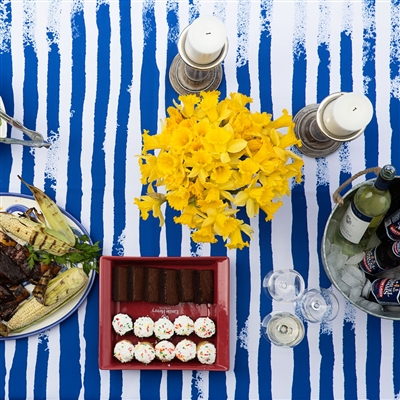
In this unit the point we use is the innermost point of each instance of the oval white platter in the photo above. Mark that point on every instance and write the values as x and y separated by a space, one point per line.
13 202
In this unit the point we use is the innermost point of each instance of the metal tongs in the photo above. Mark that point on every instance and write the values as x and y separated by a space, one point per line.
36 138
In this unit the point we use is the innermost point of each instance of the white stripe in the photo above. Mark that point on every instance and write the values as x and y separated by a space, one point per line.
361 352
53 373
387 364
133 186
9 353
88 110
57 157
17 53
253 334
382 62
111 127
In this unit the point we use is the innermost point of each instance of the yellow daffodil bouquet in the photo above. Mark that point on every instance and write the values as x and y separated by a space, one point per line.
214 156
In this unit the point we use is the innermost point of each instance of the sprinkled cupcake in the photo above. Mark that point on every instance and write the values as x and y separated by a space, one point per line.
143 327
204 327
163 328
144 352
206 352
185 350
124 351
165 350
122 323
183 325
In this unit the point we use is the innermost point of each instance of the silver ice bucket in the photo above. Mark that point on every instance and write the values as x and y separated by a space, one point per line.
331 271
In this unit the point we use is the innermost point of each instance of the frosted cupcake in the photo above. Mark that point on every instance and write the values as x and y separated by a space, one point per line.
163 328
206 352
144 352
204 327
122 323
183 325
165 351
124 351
185 350
143 327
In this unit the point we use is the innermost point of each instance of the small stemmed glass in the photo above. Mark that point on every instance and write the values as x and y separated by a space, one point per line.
314 305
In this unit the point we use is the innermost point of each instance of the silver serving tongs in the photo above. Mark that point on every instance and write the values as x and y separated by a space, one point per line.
36 138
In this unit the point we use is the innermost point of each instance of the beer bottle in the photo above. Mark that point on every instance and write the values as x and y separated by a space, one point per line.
381 258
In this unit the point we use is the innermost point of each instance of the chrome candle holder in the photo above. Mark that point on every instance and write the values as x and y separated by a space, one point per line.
317 140
188 77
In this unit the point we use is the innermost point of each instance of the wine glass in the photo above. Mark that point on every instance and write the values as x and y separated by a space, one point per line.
282 329
318 305
285 285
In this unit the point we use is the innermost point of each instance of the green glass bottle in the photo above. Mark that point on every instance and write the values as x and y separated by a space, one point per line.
365 212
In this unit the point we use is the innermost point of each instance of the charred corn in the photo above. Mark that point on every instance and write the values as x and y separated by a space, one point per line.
57 224
61 289
33 233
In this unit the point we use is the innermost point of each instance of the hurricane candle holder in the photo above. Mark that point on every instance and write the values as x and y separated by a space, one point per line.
340 117
202 47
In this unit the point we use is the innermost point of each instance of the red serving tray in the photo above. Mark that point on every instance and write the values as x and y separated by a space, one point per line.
218 312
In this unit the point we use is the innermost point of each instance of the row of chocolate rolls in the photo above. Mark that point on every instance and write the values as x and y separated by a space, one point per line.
162 285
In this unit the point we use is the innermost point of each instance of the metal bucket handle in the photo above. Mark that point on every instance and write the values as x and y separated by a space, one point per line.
337 198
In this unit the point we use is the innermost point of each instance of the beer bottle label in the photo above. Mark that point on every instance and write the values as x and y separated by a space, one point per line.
354 224
392 226
386 291
369 264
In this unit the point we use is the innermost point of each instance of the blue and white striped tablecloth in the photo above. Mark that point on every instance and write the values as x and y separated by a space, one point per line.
91 75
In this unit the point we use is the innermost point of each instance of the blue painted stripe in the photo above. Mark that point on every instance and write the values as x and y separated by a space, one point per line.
91 378
174 382
369 72
264 350
18 371
30 106
124 102
373 362
299 237
78 83
265 228
349 361
41 368
70 367
346 61
149 237
243 286
326 385
53 98
150 385
349 340
173 230
7 94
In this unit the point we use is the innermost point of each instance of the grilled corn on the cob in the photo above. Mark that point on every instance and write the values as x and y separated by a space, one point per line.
57 224
33 233
61 289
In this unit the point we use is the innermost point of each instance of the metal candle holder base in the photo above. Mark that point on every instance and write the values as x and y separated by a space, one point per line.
317 141
188 77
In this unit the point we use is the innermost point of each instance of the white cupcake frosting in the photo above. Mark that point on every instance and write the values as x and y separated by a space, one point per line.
204 327
206 353
165 350
185 350
163 328
183 325
122 323
144 352
124 351
143 327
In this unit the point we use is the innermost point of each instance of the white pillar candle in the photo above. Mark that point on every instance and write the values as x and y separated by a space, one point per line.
348 113
205 39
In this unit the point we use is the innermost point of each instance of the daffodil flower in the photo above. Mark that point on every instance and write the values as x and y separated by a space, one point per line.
212 157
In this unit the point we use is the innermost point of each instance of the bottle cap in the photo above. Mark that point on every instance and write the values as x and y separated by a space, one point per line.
387 174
